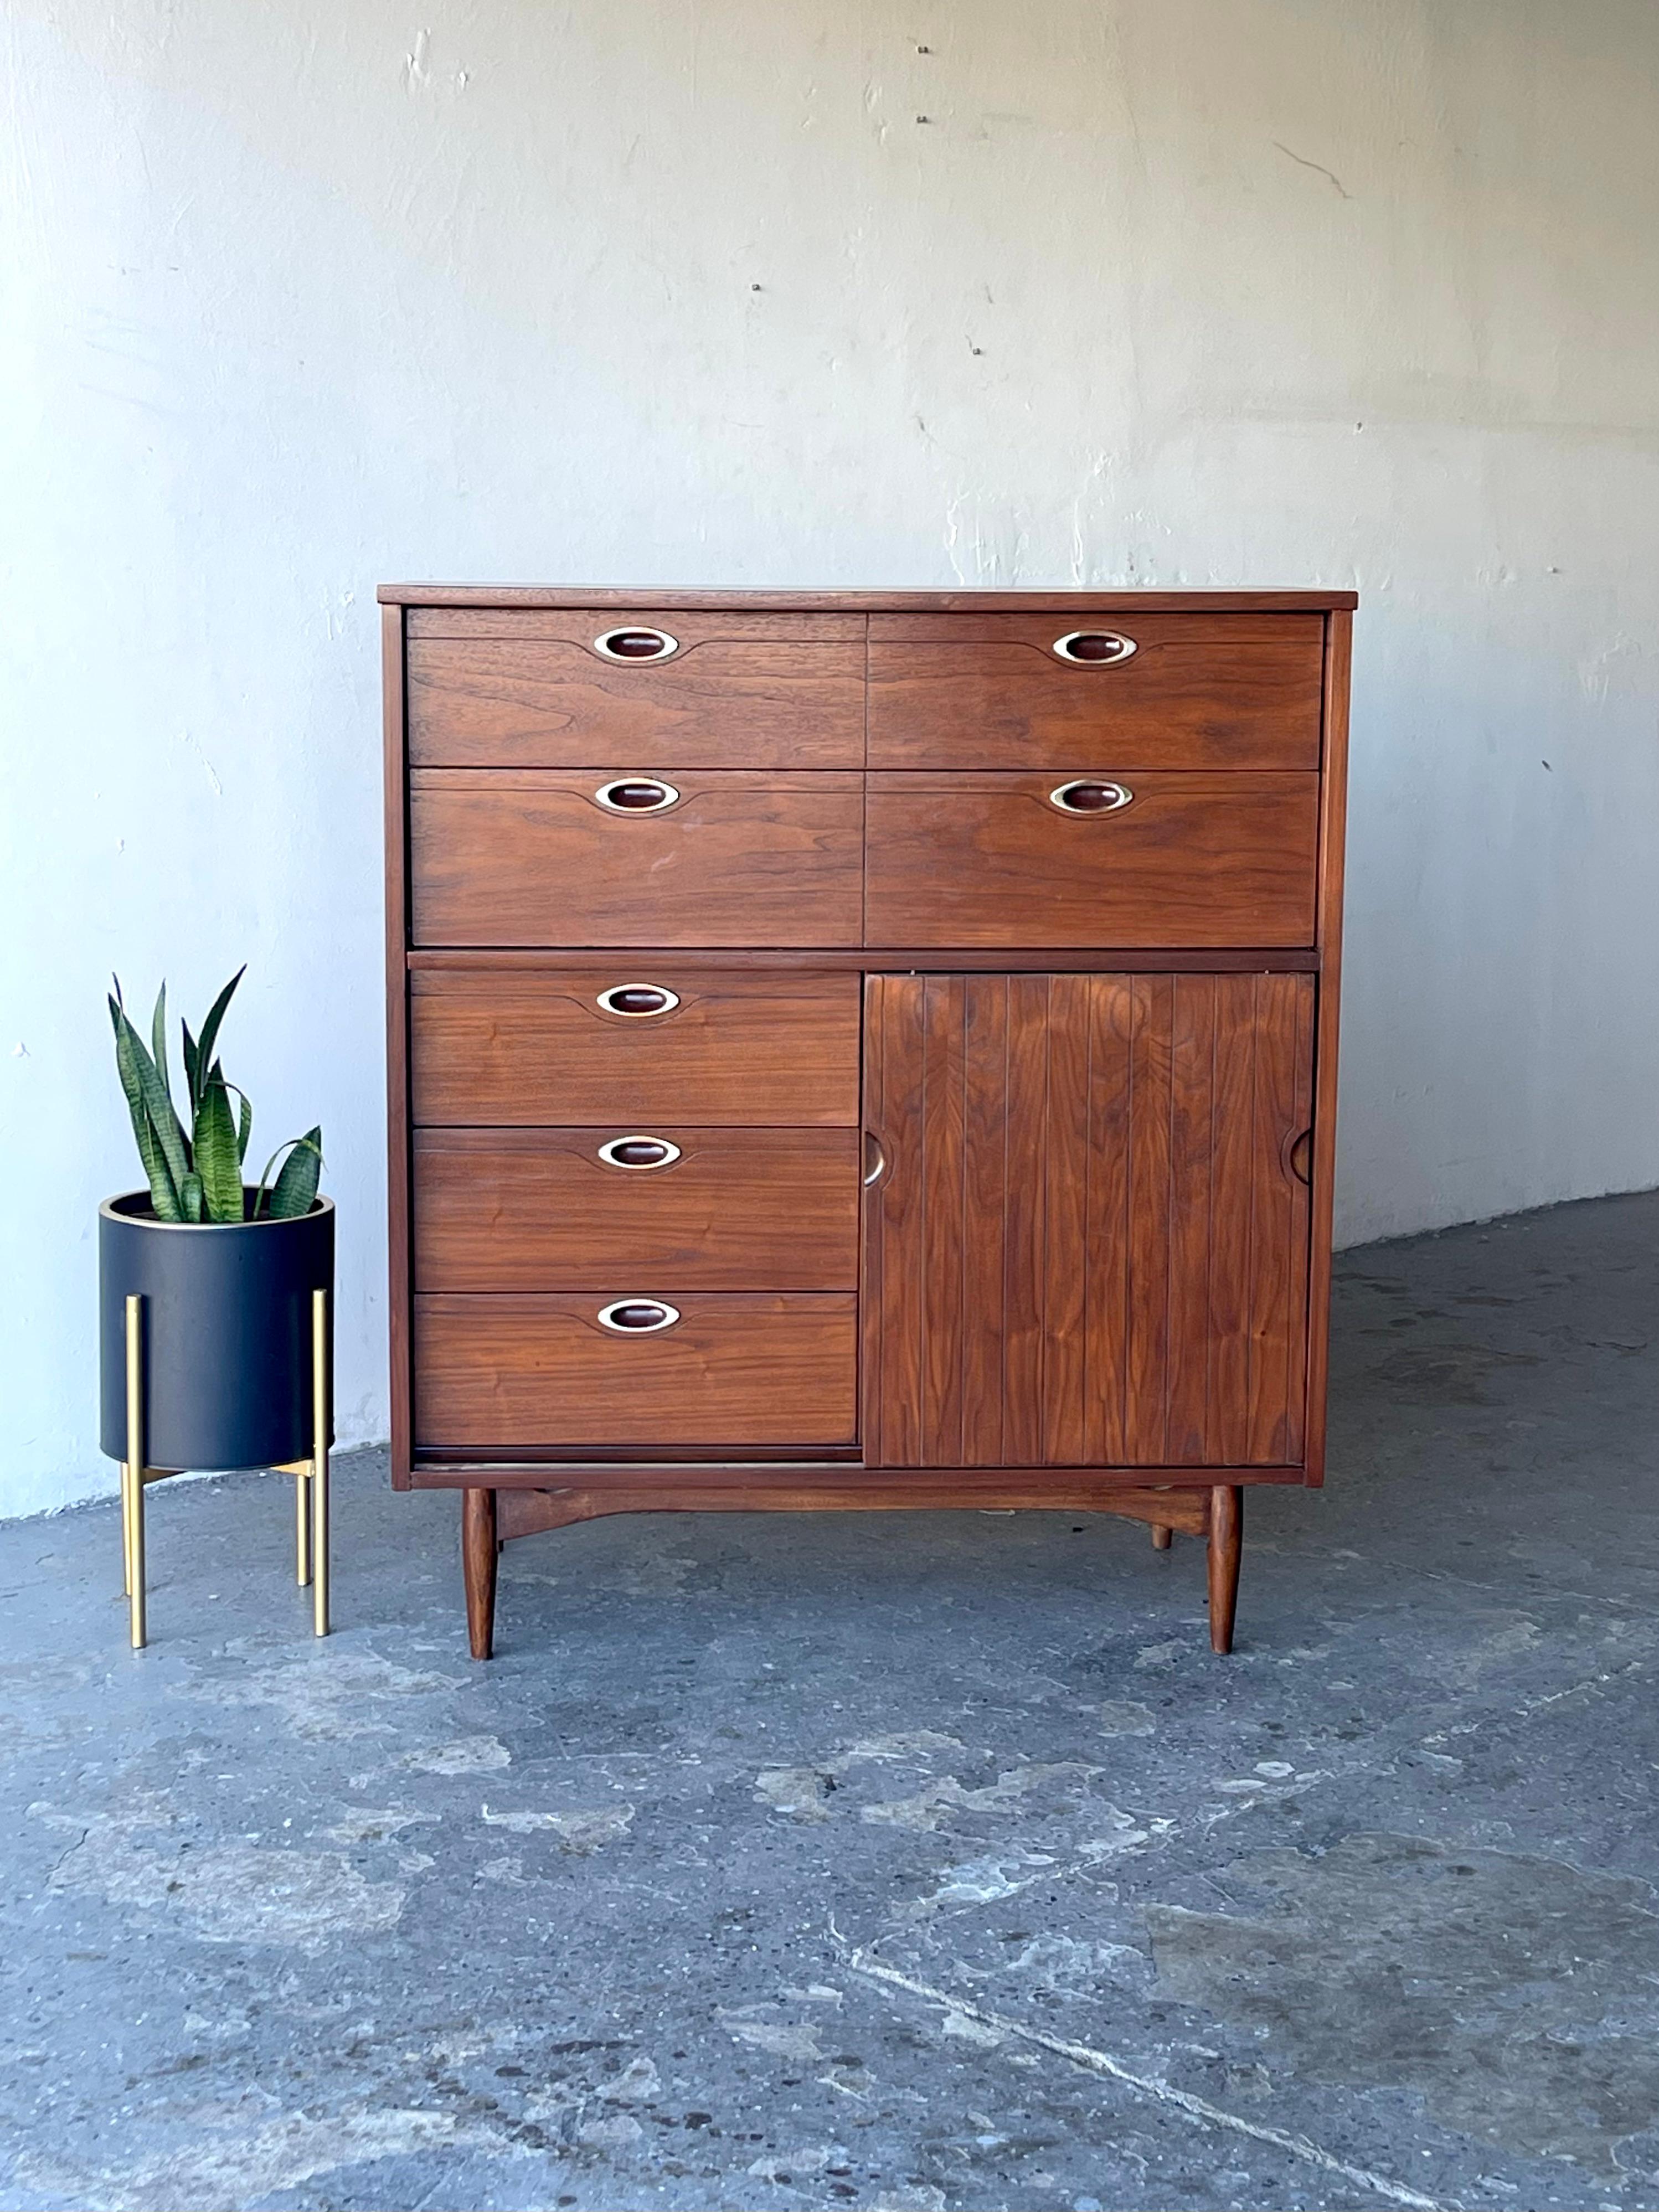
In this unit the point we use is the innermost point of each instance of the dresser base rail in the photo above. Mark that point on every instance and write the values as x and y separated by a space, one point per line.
1202 1506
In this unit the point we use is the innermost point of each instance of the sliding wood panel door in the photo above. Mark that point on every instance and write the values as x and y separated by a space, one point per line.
1086 1238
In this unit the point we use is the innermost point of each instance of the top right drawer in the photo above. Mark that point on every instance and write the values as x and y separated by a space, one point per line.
1080 690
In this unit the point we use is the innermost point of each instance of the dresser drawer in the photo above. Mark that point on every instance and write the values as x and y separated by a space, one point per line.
520 1048
569 689
1188 859
1196 692
707 1209
504 857
522 1373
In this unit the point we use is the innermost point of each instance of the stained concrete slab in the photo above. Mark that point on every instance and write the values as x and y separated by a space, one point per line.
917 1861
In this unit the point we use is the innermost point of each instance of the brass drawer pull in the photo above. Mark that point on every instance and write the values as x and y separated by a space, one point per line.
1087 795
639 1152
638 1001
1094 648
629 644
637 795
638 1316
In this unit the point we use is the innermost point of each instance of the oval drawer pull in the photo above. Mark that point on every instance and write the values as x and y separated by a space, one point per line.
638 1152
1088 795
632 644
638 1001
638 1316
637 795
1094 648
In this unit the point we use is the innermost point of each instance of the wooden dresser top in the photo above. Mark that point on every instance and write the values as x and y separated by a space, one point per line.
879 602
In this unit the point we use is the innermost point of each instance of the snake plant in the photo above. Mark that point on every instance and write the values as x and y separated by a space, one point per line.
195 1174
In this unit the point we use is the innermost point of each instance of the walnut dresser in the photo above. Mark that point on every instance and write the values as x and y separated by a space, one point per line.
861 1049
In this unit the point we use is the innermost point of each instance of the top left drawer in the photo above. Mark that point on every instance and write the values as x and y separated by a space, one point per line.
650 688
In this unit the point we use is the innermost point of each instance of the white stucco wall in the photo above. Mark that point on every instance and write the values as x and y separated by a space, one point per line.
298 297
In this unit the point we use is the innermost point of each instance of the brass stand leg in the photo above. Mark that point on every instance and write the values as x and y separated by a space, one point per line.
132 1476
1162 1537
321 1398
1226 1543
311 1477
139 1609
126 1530
302 1525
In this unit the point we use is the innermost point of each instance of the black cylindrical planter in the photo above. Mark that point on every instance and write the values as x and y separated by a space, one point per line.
226 1333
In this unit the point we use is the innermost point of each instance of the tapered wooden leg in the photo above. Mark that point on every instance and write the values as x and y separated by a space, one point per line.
1226 1541
1162 1537
479 1551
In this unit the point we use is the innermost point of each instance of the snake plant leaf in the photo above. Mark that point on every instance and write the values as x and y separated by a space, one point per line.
217 1160
209 1037
163 1185
126 1067
163 1196
158 1039
169 1132
195 1173
191 1069
164 1192
295 1189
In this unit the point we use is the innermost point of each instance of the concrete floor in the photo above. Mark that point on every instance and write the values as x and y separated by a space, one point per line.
899 1862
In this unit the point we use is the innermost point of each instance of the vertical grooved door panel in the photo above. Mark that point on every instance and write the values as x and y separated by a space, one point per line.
1088 1245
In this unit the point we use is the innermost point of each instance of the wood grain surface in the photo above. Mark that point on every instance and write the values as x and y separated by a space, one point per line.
394 795
1096 1259
525 1512
742 691
1089 1246
1081 959
812 1478
538 1209
738 1367
1226 1548
1201 692
529 857
527 1050
496 598
480 1552
1194 859
1333 844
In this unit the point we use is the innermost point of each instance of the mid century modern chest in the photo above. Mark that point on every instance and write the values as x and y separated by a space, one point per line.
861 1049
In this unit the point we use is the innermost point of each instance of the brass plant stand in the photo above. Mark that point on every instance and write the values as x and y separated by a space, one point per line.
311 1475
